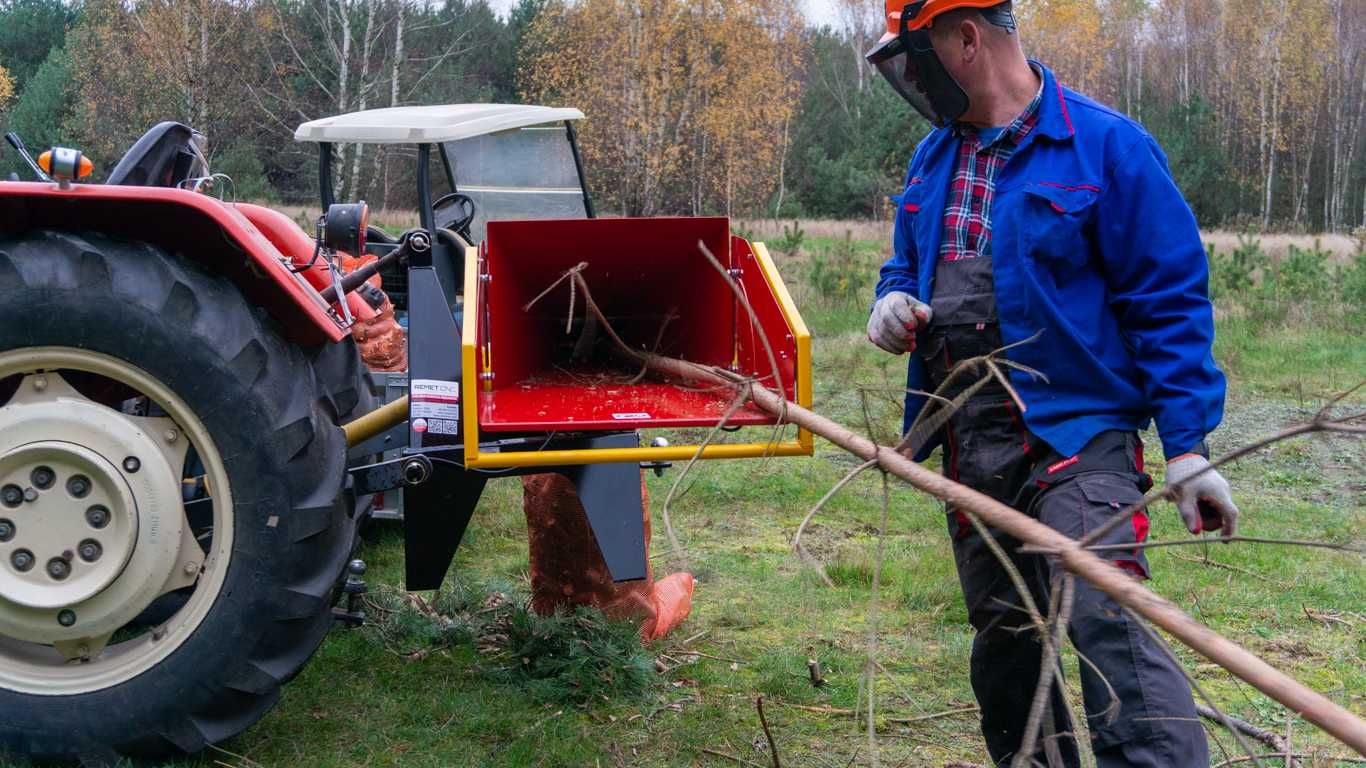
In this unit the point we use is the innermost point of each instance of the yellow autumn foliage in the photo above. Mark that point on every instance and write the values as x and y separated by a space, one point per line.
6 87
687 101
1066 35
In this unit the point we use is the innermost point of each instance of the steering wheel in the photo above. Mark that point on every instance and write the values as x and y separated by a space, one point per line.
465 216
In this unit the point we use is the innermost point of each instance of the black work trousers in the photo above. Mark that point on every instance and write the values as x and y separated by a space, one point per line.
1137 702
1138 705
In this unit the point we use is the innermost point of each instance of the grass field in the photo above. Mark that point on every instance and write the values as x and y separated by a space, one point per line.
759 614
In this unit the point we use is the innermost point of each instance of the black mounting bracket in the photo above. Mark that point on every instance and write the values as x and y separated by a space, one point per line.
440 495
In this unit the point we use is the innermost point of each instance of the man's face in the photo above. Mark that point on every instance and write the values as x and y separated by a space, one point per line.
957 42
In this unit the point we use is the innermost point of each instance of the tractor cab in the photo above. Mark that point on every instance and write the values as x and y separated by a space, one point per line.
476 163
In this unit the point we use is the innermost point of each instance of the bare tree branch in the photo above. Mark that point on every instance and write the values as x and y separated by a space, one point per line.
1070 553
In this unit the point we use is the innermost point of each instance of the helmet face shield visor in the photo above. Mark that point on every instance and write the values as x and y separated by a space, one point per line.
908 62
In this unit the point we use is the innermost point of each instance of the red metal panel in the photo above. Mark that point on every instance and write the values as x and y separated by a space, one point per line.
773 325
640 270
201 227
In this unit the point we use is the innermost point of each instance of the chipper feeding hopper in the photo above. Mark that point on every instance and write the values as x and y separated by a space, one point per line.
545 367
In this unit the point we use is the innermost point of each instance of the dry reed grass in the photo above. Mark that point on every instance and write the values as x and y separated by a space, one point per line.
1342 247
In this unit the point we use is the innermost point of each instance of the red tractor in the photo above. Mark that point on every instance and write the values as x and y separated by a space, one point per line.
189 439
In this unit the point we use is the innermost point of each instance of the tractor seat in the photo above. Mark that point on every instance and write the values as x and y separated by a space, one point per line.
164 157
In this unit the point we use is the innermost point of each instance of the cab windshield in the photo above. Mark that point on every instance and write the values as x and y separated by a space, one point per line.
524 173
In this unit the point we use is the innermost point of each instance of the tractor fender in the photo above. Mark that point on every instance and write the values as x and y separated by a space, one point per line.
202 228
284 233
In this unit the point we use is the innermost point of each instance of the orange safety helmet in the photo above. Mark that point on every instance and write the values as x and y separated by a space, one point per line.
905 55
923 16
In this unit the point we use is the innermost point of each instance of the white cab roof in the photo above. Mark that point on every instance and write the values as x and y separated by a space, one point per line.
429 125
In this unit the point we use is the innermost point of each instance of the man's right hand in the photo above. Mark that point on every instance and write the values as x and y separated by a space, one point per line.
895 319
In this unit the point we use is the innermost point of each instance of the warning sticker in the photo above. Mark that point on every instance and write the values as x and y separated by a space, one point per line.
437 403
630 416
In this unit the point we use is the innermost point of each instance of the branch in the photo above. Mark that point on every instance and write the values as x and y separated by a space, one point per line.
1029 549
1260 734
1070 553
772 745
1322 422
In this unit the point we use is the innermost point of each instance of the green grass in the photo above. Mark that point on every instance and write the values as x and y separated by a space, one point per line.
364 701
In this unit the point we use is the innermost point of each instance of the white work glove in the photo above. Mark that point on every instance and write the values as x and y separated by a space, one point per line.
1204 501
895 319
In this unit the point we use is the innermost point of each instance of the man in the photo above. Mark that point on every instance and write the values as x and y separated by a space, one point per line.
1031 209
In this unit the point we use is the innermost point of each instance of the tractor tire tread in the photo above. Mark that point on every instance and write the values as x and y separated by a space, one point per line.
287 573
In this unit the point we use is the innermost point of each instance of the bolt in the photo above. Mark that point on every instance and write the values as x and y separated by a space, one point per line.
78 486
67 617
90 550
97 516
58 568
40 383
171 435
43 477
30 494
131 464
191 568
416 471
11 495
6 530
22 560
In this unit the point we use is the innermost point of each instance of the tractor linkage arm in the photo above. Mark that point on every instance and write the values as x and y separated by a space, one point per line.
413 242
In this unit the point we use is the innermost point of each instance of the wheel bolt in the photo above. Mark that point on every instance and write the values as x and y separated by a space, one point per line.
43 478
90 550
67 617
22 560
131 464
78 486
6 530
58 568
11 495
97 516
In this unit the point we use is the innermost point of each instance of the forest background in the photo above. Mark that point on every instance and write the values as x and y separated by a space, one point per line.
740 107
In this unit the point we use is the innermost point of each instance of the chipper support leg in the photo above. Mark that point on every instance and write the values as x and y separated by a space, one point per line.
612 501
435 515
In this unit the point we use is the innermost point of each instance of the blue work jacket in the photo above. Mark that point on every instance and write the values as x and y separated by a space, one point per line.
1092 244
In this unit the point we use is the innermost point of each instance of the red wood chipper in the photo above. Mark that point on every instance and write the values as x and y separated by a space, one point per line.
190 438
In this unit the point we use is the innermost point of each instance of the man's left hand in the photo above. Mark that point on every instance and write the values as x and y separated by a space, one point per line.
1202 495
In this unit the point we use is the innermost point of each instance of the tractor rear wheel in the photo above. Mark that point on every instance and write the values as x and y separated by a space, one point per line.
173 520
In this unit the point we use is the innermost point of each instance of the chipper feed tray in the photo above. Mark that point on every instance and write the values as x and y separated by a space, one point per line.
549 368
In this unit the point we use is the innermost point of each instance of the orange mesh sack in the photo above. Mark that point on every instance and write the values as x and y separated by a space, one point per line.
568 570
382 344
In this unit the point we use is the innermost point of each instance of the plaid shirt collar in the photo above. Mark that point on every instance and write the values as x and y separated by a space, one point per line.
967 216
1018 129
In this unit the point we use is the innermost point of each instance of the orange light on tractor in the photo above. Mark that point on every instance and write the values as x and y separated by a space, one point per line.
65 163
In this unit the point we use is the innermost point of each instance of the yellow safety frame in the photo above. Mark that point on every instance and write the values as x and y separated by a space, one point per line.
803 445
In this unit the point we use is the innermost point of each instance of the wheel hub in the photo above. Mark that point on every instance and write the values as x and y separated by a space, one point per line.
98 527
76 535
